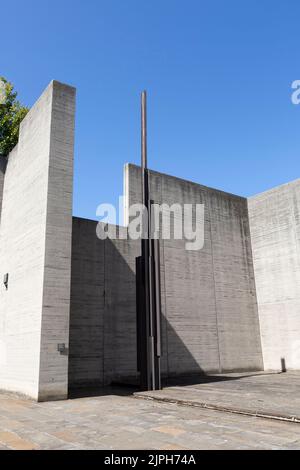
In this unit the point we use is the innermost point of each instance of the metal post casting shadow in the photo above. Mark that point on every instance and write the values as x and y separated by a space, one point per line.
148 289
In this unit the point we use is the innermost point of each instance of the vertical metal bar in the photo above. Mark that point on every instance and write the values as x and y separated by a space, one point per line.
139 331
144 130
148 281
157 296
147 247
152 326
144 162
145 238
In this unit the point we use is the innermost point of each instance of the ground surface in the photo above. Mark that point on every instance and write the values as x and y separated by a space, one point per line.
258 393
111 421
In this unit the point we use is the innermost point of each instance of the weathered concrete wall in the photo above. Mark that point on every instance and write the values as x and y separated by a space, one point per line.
53 380
35 249
210 320
87 306
102 315
275 233
209 300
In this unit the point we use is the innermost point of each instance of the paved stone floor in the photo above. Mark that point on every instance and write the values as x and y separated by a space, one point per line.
125 422
261 393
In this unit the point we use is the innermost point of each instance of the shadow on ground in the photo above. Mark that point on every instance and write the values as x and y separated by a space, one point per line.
209 378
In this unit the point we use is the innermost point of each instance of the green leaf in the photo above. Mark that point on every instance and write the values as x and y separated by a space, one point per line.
11 115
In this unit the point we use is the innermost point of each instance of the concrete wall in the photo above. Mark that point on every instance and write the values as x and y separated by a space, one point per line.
209 298
87 306
210 320
275 233
35 249
102 315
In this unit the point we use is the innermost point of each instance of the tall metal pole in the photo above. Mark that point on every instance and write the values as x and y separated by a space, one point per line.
144 136
148 281
145 237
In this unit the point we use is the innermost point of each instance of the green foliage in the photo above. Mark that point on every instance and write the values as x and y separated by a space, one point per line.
11 115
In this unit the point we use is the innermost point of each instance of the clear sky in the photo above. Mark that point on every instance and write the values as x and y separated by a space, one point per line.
218 76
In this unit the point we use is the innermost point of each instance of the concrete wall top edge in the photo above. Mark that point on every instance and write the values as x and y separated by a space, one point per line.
84 219
274 190
53 84
193 183
119 228
62 84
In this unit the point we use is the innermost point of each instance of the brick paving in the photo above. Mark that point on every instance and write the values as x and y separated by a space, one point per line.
112 421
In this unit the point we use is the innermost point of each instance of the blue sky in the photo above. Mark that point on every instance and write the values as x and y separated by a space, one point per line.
218 76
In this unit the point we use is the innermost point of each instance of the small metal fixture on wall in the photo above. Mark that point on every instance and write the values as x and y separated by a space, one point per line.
62 349
5 280
148 290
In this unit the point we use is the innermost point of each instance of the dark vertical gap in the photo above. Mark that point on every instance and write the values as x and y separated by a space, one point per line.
104 312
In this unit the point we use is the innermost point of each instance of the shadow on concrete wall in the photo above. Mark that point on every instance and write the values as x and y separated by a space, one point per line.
102 347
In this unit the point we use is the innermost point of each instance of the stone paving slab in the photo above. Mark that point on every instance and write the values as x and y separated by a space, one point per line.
113 422
270 395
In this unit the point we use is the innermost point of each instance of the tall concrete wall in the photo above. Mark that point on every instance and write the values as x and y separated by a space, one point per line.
35 249
275 232
102 315
209 295
86 354
210 319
